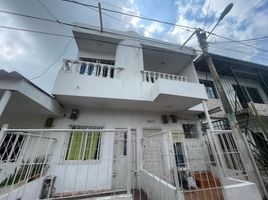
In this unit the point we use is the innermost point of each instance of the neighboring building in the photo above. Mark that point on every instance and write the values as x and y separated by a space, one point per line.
129 129
24 105
246 86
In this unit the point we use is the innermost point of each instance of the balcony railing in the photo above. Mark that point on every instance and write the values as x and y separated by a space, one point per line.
93 69
151 77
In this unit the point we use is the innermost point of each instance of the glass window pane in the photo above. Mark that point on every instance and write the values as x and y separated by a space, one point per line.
75 143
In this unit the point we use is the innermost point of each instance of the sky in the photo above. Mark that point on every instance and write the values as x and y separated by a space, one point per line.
39 57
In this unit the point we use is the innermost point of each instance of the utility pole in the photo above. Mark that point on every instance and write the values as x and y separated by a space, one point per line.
245 153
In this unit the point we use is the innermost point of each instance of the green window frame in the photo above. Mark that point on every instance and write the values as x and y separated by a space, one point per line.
84 145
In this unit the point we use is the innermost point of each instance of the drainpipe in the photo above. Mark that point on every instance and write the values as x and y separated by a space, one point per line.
4 100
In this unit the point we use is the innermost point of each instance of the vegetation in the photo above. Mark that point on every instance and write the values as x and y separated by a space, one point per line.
26 172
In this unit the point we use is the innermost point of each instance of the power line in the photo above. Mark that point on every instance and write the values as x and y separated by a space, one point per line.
240 52
160 21
97 40
87 28
245 14
245 40
46 8
120 20
236 50
248 45
207 15
82 27
131 15
55 61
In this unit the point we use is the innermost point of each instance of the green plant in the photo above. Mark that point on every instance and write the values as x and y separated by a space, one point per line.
26 172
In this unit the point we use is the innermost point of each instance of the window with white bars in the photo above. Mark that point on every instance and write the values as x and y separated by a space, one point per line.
11 146
84 145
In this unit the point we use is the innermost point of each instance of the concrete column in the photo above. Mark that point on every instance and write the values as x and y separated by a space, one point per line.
4 100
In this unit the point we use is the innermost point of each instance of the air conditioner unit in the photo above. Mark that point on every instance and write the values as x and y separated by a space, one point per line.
47 188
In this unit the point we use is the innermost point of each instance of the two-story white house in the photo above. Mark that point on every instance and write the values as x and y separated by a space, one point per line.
129 128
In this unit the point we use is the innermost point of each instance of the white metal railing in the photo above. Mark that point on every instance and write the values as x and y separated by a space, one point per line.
199 175
156 155
84 162
94 69
24 157
151 77
228 154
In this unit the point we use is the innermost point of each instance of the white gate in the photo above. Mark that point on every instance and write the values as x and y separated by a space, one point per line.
120 159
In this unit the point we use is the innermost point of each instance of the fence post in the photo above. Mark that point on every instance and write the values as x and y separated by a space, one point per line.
173 160
129 160
2 132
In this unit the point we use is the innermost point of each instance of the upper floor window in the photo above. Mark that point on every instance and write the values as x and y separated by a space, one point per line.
210 88
254 95
245 94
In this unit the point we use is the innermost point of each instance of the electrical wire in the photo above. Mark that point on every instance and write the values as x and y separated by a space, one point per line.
206 15
54 62
87 28
48 11
160 21
245 14
82 27
240 52
120 20
248 45
244 40
98 40
131 15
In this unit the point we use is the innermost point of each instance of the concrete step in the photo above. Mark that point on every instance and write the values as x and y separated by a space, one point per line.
100 194
207 194
205 179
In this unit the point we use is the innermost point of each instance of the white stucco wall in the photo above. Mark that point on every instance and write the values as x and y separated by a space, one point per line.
83 175
28 191
129 84
190 72
109 119
157 189
238 189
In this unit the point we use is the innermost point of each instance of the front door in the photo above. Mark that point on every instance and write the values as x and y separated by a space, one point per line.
120 159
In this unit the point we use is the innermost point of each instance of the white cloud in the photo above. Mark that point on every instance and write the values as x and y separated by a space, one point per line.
233 26
153 28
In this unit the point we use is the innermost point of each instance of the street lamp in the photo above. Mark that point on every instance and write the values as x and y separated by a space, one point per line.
223 14
203 33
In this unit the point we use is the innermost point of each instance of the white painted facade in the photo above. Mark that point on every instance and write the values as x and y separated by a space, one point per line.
151 79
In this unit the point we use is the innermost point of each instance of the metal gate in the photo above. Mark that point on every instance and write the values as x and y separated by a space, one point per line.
120 159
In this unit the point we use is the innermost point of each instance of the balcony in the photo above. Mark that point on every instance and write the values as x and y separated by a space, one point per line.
150 76
91 69
93 84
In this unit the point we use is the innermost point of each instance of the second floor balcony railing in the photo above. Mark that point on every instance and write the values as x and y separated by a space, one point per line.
95 69
151 77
